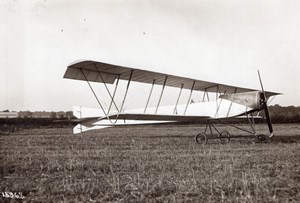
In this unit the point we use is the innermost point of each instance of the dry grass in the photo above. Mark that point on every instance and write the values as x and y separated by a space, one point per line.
149 164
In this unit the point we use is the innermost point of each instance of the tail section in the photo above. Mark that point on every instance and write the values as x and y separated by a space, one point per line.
79 128
84 112
87 118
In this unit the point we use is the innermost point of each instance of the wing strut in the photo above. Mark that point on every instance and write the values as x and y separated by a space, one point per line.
217 92
149 96
218 105
188 102
205 93
93 92
112 100
129 80
161 94
175 108
111 97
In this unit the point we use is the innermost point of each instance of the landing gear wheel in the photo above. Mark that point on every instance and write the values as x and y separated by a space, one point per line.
201 138
224 136
261 137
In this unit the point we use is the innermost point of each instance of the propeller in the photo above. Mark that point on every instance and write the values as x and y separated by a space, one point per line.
265 107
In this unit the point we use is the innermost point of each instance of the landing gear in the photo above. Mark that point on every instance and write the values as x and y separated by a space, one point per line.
201 138
223 136
211 132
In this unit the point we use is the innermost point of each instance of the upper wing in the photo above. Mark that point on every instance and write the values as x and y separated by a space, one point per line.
108 73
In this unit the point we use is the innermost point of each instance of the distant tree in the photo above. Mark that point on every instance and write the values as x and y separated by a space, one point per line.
29 114
69 115
53 115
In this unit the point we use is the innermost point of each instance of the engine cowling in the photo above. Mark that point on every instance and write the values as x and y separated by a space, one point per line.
250 99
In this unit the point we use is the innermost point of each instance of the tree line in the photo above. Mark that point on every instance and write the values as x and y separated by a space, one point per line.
289 114
279 114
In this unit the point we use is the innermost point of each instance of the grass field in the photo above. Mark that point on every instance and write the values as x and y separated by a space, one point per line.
149 164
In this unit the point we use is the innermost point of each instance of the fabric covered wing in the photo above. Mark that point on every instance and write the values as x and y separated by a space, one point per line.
108 73
157 117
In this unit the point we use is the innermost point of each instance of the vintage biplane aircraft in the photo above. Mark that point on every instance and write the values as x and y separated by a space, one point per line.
227 101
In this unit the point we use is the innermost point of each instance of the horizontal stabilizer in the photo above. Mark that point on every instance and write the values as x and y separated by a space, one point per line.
86 121
82 128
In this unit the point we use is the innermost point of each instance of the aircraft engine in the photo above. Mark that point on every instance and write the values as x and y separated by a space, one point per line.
249 99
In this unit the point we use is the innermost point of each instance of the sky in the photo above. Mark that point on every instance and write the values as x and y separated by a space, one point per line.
223 41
